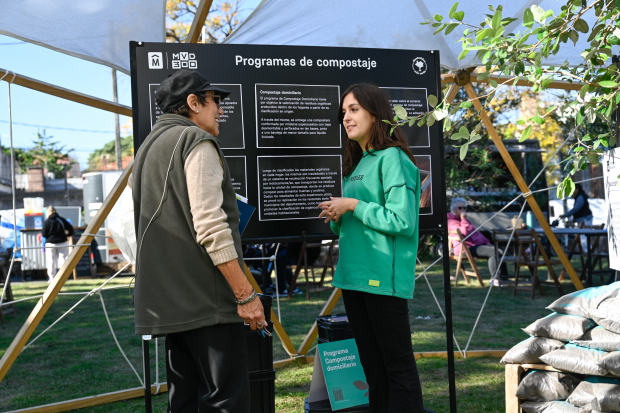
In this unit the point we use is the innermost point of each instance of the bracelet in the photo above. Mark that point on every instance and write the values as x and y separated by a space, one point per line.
247 300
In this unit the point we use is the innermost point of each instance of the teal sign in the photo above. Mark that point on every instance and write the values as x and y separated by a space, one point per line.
344 376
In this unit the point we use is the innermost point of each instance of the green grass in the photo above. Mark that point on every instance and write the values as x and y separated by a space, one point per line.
78 356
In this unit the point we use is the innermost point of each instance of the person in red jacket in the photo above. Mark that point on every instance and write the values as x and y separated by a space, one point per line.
478 244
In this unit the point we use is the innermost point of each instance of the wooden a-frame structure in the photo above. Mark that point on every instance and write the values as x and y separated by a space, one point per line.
462 79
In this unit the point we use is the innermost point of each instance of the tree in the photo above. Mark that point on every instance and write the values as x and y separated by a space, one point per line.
223 18
44 153
95 158
511 54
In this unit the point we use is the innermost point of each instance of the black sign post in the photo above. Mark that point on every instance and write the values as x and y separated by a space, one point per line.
280 132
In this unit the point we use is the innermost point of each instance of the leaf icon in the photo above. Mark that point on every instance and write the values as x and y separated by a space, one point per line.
360 385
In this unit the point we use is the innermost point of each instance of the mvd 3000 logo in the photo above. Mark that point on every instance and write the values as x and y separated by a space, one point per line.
184 60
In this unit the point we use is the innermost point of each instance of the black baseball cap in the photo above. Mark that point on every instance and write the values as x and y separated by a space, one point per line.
172 93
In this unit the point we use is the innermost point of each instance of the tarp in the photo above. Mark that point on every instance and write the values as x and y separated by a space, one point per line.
95 30
393 24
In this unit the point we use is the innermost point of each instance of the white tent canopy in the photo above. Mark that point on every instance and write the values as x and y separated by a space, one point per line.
388 25
98 31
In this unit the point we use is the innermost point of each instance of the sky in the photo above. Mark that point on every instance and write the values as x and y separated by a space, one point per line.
92 127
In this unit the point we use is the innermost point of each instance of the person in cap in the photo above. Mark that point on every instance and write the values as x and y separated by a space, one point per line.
190 285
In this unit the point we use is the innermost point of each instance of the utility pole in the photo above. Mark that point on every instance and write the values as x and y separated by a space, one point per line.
65 173
117 126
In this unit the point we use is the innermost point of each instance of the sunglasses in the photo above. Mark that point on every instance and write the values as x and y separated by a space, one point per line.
217 100
463 208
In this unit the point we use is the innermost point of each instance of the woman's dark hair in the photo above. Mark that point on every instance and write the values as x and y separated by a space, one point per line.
184 110
579 190
371 98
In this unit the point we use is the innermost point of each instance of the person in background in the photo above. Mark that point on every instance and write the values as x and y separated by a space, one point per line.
56 229
478 244
581 211
377 221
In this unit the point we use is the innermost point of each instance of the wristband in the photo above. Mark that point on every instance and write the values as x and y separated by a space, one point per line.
247 300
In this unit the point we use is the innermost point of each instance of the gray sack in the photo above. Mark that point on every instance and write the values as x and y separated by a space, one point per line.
597 393
611 363
549 407
545 386
576 359
529 351
560 327
607 314
600 338
582 302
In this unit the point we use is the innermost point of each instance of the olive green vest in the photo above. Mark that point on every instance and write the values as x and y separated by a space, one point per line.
178 288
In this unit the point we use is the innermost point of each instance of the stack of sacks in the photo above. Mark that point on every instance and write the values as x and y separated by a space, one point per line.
581 336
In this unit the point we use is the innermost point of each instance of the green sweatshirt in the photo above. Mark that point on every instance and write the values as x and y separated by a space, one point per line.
379 240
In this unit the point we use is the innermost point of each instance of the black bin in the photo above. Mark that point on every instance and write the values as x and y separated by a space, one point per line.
260 349
263 391
260 364
334 328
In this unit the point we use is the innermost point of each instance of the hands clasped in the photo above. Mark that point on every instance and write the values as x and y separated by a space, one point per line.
335 208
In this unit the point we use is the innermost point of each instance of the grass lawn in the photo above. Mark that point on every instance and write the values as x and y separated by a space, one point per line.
78 356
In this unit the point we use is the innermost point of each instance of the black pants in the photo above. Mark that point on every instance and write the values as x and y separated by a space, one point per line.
208 370
383 336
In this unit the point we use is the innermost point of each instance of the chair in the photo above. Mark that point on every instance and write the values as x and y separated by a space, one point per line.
456 236
302 262
598 253
5 258
530 251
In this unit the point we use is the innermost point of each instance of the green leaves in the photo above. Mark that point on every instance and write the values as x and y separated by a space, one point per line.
432 100
528 18
456 15
608 84
537 12
401 112
463 152
465 105
581 26
566 188
525 133
497 20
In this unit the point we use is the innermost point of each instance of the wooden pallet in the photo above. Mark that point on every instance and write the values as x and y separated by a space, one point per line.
514 374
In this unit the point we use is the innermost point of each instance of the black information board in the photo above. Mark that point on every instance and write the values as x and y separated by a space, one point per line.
280 131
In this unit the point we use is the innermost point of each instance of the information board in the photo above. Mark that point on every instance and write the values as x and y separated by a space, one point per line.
280 132
611 171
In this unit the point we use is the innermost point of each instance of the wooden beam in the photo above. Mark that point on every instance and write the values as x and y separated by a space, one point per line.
553 85
513 376
451 95
314 331
199 20
65 271
66 93
288 344
523 186
422 355
449 78
92 400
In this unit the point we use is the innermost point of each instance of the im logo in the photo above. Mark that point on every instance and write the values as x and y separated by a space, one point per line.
184 60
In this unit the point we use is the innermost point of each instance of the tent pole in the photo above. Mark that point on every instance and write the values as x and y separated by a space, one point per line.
523 186
56 285
199 20
67 94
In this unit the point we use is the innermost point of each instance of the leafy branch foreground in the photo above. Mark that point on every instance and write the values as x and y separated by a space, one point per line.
519 56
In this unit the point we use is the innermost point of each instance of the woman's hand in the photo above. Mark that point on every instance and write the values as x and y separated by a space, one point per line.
253 314
335 208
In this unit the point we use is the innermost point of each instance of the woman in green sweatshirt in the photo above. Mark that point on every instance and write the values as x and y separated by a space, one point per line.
377 221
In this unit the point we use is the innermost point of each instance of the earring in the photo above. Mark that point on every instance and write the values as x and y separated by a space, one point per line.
196 110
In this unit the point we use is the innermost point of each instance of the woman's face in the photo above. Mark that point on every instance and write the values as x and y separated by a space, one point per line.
208 116
357 121
460 209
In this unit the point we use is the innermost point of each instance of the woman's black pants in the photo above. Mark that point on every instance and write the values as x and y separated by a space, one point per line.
207 370
383 336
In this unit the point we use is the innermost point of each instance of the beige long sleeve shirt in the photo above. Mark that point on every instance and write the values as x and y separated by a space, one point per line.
204 174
